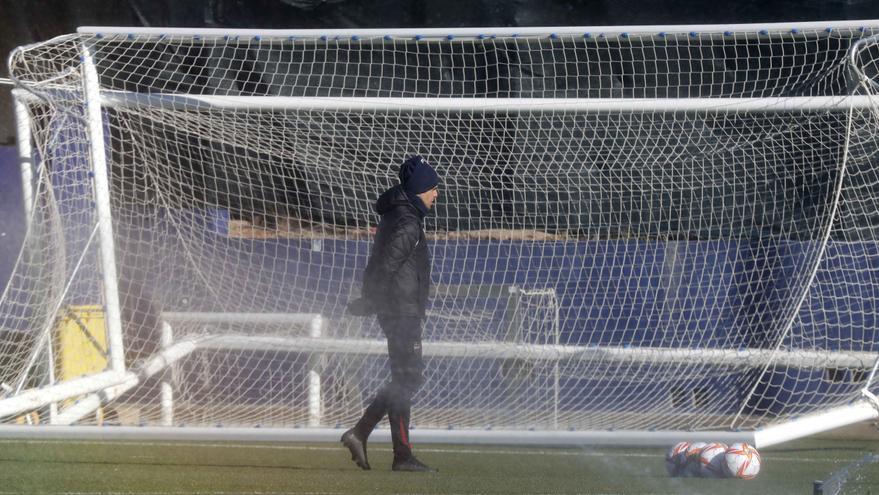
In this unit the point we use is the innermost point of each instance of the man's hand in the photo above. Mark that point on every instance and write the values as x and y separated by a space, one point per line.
360 307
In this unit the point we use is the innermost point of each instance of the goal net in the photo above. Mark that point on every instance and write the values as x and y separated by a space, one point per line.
647 229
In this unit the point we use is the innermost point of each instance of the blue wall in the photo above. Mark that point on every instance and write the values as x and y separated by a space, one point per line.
716 293
11 211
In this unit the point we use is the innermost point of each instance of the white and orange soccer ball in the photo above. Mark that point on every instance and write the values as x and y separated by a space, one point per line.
711 460
676 459
692 468
741 461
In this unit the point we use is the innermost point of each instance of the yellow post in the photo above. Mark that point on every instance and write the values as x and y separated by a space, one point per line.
81 343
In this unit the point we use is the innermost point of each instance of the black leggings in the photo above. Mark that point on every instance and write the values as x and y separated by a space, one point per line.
395 397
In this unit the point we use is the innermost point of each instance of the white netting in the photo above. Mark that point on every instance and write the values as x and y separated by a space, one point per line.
647 267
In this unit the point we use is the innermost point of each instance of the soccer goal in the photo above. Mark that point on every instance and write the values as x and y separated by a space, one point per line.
644 234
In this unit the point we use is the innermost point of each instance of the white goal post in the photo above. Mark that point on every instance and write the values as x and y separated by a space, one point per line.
644 234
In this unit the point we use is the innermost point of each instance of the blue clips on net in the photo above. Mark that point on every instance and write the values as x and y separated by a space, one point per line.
554 36
419 37
257 38
291 38
587 35
795 31
324 38
197 37
862 29
355 38
764 32
449 37
514 35
163 36
727 33
601 35
693 34
624 35
388 37
99 35
226 37
828 30
131 36
662 34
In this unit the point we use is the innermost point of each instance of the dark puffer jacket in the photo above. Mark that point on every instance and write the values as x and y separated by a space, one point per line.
397 277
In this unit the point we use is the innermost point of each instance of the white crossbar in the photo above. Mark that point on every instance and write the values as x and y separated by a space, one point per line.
120 99
478 32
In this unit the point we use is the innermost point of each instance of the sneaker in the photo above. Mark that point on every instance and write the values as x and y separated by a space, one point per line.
412 465
357 448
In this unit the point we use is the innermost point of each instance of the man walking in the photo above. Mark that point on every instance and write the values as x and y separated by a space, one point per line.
395 288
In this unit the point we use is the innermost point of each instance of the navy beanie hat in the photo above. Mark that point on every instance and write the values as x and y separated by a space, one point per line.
417 176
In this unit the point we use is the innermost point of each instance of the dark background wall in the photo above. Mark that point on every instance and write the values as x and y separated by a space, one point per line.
28 21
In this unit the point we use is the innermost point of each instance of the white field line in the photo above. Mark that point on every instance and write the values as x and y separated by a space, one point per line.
469 450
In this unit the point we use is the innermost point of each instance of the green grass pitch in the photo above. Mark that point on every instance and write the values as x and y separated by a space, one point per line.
183 468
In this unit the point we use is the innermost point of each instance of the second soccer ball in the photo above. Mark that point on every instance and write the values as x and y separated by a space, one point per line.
676 459
711 460
692 469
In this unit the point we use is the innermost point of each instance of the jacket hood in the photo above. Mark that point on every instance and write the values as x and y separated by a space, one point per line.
390 199
397 196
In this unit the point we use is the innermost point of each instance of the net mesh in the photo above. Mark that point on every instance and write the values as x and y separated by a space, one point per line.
644 268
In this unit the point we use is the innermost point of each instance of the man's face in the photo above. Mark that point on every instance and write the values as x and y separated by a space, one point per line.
428 197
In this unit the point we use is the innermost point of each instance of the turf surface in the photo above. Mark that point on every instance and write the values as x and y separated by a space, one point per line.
86 467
